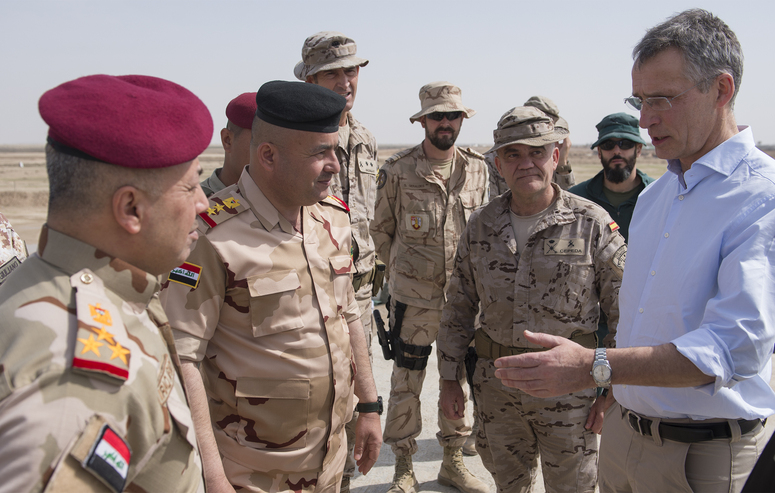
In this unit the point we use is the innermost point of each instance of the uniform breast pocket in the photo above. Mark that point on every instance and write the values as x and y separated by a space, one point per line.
418 224
341 270
469 202
274 303
275 413
569 288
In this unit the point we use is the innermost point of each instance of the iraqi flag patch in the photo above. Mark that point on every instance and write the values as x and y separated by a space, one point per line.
187 274
109 459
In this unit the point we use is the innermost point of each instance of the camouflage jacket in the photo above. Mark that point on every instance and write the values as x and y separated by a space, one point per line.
212 183
13 250
265 308
570 269
417 222
356 184
498 185
87 384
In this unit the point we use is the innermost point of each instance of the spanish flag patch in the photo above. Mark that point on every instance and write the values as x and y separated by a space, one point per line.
613 226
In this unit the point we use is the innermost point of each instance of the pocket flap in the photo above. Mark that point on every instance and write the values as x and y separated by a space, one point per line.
341 264
272 389
274 282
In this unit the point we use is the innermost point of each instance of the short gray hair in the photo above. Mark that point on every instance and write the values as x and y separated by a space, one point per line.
83 185
710 48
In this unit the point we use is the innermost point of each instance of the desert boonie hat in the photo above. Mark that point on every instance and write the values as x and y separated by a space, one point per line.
618 126
550 108
327 50
133 121
526 125
242 109
441 97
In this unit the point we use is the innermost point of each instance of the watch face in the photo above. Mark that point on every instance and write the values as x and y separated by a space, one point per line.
601 373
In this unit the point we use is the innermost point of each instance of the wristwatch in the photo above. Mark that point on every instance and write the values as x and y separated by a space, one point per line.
601 369
370 407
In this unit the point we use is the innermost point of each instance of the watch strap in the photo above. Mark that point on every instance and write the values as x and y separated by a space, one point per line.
370 407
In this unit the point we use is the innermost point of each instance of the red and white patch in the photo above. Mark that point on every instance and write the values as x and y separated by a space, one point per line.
109 459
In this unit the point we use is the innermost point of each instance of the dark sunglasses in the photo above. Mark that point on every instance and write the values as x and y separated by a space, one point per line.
450 115
623 144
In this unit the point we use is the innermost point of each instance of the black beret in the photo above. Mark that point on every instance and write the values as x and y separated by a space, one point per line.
300 106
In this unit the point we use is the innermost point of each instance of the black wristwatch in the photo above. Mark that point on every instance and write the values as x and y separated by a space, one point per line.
370 407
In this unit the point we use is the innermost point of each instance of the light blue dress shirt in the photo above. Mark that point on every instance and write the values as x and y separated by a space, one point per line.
700 273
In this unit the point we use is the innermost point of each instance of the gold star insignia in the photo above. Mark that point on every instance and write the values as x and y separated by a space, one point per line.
104 335
219 207
91 345
119 352
211 211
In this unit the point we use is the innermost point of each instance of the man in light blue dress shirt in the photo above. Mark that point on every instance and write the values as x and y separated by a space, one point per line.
692 366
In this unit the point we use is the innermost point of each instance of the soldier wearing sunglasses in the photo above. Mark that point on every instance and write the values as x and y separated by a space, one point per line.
425 196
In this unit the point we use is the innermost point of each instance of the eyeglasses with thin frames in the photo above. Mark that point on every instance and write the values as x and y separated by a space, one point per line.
658 103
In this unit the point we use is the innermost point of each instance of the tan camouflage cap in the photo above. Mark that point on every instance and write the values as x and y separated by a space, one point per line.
526 125
327 50
550 108
441 96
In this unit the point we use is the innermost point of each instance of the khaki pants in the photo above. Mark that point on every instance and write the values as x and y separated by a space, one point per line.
630 462
515 427
326 481
404 419
363 297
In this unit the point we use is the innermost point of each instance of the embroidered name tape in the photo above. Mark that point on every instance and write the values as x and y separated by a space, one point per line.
556 246
187 274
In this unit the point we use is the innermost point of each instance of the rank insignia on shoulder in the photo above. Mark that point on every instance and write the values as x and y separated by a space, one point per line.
334 200
613 226
187 274
109 459
101 355
222 208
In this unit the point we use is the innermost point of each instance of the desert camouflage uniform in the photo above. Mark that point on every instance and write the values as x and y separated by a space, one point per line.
416 228
356 184
85 343
498 185
13 250
212 184
267 317
570 269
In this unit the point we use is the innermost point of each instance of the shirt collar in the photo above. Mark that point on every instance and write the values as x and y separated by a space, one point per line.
723 159
262 208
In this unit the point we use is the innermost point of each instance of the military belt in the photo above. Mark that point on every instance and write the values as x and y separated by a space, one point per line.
689 432
487 348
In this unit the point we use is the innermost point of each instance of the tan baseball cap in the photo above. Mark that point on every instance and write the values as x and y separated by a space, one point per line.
443 97
327 50
526 125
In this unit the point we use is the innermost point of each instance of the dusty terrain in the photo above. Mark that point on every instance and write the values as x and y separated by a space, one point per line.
24 190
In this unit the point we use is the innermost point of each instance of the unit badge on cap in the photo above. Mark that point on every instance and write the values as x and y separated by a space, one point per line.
187 274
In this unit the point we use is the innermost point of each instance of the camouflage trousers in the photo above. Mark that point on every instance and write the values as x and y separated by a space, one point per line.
515 427
363 297
404 419
326 481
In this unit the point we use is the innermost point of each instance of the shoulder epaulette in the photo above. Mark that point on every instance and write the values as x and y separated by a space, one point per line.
395 157
472 152
336 201
224 205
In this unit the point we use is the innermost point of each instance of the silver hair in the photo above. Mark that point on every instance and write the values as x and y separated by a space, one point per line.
710 48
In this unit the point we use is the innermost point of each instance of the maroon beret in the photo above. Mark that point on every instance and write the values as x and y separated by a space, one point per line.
242 110
134 121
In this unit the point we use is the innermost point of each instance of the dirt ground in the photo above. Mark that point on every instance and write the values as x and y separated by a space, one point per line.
24 185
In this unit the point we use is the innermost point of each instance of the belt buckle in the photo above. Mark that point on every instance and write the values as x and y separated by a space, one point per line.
636 422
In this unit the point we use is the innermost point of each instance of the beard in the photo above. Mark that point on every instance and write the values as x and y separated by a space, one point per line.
442 143
618 174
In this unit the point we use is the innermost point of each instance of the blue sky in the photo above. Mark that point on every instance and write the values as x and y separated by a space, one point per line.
499 52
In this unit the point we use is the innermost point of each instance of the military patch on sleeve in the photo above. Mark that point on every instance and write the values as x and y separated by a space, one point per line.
558 246
8 267
187 274
381 179
109 459
613 226
618 259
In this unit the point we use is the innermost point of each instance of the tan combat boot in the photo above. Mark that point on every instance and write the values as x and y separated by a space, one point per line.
454 473
404 480
469 448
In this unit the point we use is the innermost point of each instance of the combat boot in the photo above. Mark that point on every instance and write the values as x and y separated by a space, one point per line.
469 448
454 473
404 480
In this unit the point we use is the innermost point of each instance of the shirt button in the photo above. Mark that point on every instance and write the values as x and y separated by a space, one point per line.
667 234
640 310
680 197
86 278
653 273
